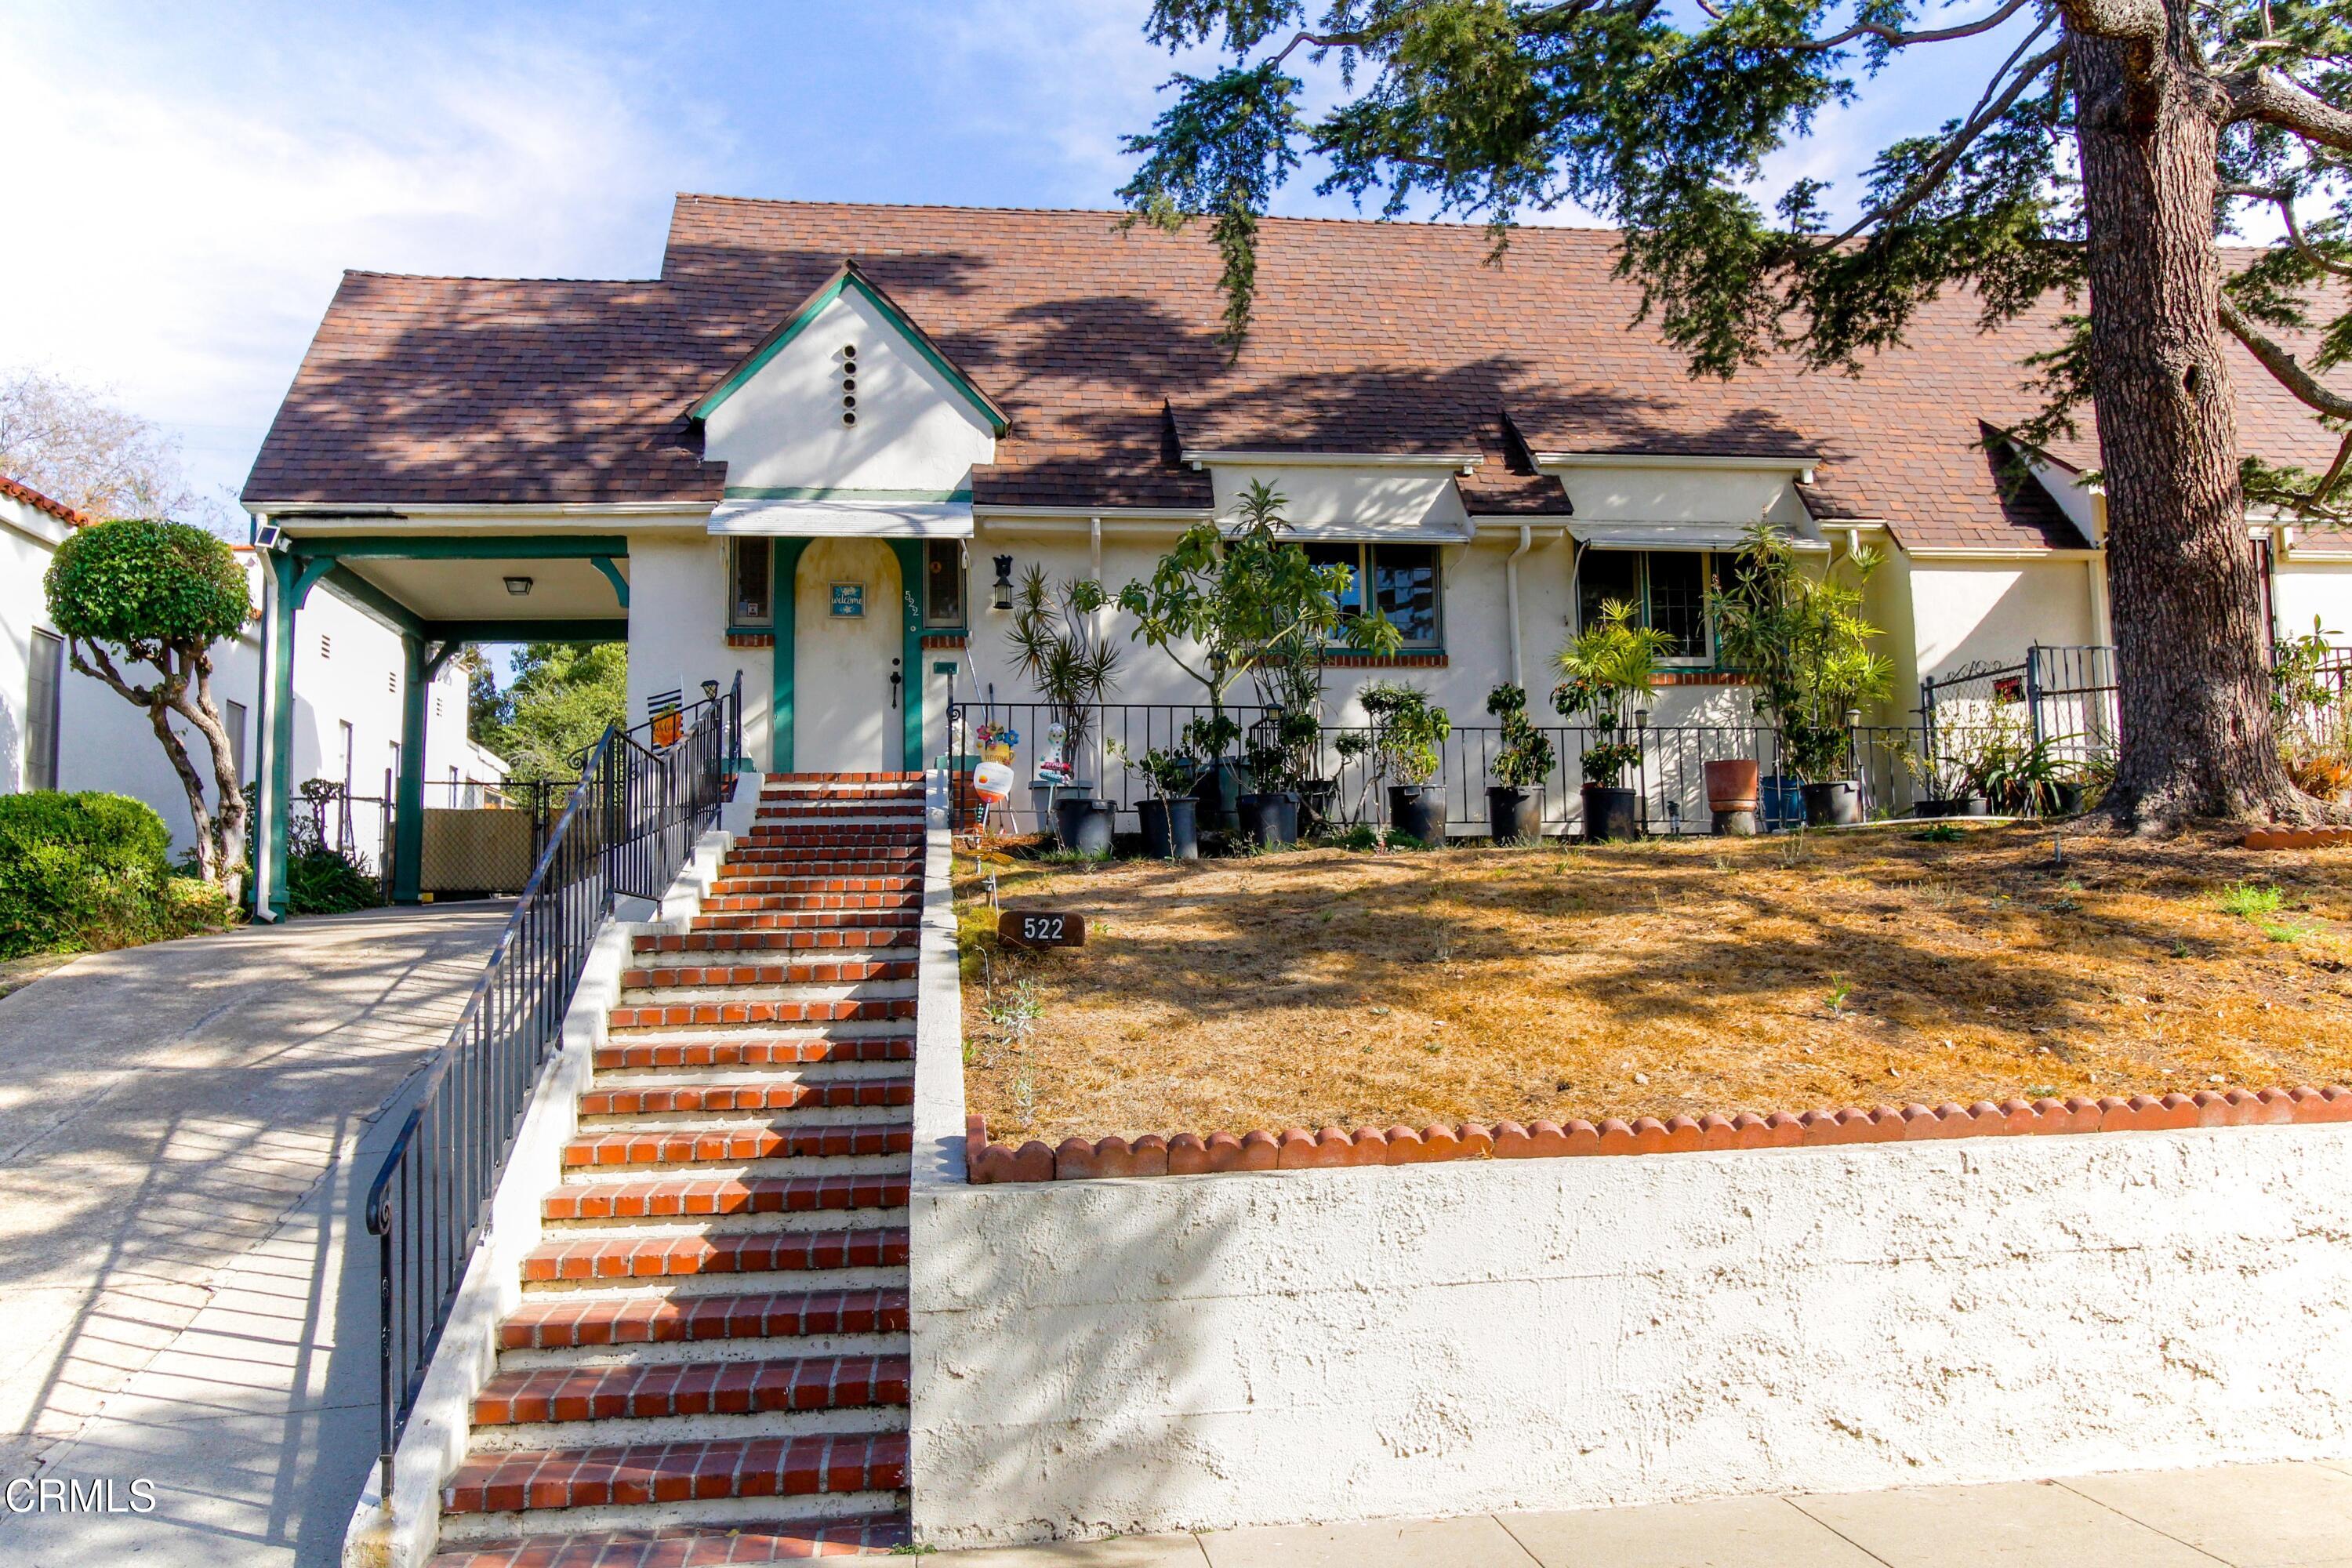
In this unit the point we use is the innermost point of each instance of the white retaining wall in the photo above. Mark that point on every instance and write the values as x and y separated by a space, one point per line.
1094 1357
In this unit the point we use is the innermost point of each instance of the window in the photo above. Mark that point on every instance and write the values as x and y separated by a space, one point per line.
750 573
344 725
233 720
942 583
1399 580
46 678
1667 589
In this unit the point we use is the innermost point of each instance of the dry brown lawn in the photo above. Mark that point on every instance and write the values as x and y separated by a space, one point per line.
1327 987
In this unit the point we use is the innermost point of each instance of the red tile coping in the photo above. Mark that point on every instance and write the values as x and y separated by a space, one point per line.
1427 659
751 639
1297 1148
691 1546
2298 837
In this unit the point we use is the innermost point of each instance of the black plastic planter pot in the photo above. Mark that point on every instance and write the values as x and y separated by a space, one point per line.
1084 827
1270 820
1219 789
1418 810
1933 806
2065 800
1611 813
1171 828
1514 814
1836 804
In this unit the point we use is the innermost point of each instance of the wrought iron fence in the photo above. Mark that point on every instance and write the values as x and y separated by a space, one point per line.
1670 780
625 828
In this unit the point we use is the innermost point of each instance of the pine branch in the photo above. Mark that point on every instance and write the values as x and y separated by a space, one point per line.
1894 39
2276 99
2284 202
2306 388
2124 21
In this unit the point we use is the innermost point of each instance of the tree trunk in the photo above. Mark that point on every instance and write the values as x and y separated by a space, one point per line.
2192 667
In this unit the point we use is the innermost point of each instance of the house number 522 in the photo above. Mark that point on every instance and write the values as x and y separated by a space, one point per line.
1042 928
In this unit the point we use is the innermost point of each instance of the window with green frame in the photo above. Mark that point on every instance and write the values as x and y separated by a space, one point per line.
751 583
1399 580
1667 589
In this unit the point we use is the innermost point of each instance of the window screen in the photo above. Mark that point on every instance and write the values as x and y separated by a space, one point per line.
46 678
942 583
1603 575
1351 556
754 606
1678 600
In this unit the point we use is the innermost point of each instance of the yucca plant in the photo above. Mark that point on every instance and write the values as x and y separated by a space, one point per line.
1059 644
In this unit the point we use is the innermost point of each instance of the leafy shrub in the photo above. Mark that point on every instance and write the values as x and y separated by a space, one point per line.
91 871
324 882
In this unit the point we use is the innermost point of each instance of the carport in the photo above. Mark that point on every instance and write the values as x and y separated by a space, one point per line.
439 590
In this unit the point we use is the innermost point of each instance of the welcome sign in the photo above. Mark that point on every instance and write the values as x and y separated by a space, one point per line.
849 601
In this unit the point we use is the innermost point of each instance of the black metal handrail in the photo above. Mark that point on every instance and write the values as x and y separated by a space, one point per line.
626 828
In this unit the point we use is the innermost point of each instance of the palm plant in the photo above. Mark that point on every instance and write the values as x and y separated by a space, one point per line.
1804 641
1607 670
1059 644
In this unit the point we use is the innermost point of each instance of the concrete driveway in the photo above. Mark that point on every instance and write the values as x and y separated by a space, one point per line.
185 1131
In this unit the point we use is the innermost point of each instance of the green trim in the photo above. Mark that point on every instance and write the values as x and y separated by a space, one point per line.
434 666
373 601
783 588
275 777
616 630
312 571
472 547
835 492
611 575
408 791
909 552
846 278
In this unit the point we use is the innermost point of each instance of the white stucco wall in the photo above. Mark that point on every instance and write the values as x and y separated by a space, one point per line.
1642 494
2303 586
783 428
1188 1353
1366 500
679 599
1963 611
27 539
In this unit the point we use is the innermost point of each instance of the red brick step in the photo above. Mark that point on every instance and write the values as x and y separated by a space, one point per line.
664 1389
776 941
800 972
752 1051
707 1146
659 1098
691 1546
639 1473
750 1252
562 1322
763 1010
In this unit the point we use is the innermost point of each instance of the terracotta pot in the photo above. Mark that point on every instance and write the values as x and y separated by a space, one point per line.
1731 784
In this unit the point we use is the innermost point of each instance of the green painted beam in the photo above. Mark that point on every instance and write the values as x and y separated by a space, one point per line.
611 575
408 791
783 569
274 778
471 547
433 666
373 601
312 571
909 552
616 630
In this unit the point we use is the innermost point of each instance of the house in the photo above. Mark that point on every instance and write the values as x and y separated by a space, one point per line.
815 448
62 730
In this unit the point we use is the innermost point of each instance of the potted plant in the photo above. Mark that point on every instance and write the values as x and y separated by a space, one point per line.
1058 643
1170 817
1941 776
1802 640
1607 670
1289 682
1226 600
1515 800
1278 745
1733 795
1406 742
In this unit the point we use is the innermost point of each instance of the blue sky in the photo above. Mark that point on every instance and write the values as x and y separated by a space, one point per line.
187 182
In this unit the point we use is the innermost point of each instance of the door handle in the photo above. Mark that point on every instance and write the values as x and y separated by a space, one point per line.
896 678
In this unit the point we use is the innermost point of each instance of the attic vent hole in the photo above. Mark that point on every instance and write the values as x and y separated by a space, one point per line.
849 384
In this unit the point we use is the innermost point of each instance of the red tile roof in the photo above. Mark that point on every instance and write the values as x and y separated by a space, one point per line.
1102 346
39 502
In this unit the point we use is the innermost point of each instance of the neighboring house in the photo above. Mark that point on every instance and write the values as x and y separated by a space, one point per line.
805 449
63 730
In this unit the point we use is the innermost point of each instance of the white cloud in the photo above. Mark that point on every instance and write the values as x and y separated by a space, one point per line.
178 230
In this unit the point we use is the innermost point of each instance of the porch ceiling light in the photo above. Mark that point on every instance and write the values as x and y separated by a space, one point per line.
518 586
1003 600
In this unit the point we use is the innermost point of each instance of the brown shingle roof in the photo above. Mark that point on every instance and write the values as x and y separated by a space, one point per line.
1102 346
17 491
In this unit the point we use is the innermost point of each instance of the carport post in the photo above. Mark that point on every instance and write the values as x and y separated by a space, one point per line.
274 779
417 674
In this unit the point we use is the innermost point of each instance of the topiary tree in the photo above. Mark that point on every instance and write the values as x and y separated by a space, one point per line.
160 594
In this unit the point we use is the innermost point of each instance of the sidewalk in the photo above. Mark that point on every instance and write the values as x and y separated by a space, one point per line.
2246 1516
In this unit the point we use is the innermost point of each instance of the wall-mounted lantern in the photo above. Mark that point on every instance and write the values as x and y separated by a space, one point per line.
1003 600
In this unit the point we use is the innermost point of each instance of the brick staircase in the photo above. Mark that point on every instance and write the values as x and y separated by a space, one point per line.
709 1361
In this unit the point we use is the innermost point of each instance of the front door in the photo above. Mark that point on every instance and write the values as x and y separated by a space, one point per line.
847 610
